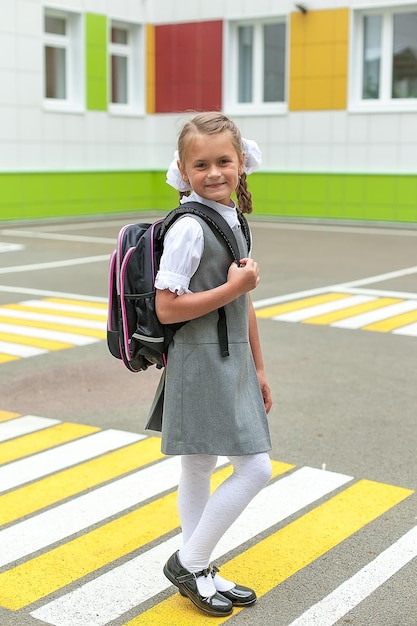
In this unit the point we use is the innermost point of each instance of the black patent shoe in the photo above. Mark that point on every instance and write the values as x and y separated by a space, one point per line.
217 605
238 595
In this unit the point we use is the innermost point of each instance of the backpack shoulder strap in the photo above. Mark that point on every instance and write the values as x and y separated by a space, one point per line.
217 222
214 219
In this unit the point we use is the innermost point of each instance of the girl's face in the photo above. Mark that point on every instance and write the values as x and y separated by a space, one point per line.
212 166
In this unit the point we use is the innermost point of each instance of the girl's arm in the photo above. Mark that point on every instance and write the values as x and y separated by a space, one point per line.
255 345
171 308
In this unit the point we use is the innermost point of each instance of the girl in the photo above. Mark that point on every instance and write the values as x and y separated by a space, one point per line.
212 405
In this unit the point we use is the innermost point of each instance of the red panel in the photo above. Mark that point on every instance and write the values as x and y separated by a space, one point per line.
188 67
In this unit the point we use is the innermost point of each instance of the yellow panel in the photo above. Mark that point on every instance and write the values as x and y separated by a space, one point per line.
319 53
5 358
296 305
64 328
45 344
319 61
296 100
339 60
150 68
298 61
42 440
339 93
295 546
96 305
8 415
341 25
101 313
398 321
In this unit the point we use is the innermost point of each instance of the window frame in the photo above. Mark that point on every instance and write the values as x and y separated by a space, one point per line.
385 103
134 51
73 43
231 64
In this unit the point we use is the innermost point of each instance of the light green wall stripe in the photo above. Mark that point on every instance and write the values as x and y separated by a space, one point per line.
326 196
96 61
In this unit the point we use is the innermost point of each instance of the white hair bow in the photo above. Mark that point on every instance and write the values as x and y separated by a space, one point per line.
253 160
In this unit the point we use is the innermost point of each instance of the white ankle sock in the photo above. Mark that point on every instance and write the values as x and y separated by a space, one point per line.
222 584
205 586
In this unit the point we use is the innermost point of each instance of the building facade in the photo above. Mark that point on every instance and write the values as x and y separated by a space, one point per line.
94 93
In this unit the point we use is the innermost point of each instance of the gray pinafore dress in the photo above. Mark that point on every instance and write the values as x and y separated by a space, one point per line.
213 404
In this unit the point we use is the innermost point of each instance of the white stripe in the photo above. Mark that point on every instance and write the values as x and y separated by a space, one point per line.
382 277
52 319
410 330
53 294
321 309
385 293
54 264
57 236
10 247
353 591
17 349
63 306
361 228
23 426
385 312
44 333
112 594
58 458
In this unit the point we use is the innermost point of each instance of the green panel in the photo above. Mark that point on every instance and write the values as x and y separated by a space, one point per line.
304 195
96 61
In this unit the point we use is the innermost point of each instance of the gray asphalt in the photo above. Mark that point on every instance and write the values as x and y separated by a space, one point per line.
343 399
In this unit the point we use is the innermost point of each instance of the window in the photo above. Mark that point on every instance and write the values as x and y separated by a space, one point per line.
386 59
256 66
63 65
126 58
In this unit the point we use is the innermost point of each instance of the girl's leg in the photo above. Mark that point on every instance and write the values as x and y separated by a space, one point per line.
194 490
251 473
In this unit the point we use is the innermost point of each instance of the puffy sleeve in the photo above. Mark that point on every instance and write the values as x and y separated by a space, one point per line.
183 249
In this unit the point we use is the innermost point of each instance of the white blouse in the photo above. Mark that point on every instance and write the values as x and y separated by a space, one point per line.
184 245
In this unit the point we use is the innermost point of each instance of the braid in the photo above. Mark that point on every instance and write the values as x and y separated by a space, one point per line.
184 193
244 197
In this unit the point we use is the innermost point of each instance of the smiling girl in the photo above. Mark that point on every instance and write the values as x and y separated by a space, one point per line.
212 405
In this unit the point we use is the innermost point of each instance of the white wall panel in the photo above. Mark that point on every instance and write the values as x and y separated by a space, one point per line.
8 123
8 91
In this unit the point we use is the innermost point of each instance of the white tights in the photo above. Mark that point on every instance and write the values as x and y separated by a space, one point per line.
205 518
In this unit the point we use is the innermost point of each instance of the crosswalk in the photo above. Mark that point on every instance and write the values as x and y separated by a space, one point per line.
34 327
344 309
88 516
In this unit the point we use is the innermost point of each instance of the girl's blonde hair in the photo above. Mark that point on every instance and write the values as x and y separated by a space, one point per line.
211 124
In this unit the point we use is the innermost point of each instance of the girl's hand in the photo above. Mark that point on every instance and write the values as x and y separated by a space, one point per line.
265 390
243 278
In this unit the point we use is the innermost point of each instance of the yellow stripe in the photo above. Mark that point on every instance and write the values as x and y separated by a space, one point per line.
276 558
296 305
329 318
384 326
42 440
63 328
5 358
96 305
45 344
66 483
87 553
74 314
8 415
